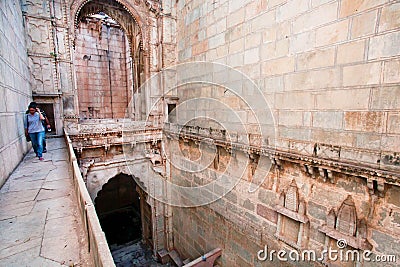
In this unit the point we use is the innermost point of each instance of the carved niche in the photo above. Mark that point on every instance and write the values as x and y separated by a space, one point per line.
345 228
292 221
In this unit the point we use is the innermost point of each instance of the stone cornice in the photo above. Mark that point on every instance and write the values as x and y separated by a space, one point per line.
117 137
114 133
314 165
324 165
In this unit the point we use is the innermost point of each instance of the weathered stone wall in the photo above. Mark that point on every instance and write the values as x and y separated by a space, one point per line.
51 29
243 222
46 34
144 22
169 32
329 69
50 63
15 90
101 73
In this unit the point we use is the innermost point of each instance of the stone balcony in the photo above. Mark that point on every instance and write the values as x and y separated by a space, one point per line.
108 132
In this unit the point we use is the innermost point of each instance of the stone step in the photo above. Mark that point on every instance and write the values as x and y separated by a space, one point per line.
175 258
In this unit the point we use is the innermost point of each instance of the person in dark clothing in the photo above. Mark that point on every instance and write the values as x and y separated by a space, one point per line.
46 125
34 128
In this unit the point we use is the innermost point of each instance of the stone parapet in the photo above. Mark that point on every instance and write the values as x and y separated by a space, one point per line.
98 246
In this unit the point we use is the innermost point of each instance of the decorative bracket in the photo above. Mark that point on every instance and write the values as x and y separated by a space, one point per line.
376 187
309 170
326 175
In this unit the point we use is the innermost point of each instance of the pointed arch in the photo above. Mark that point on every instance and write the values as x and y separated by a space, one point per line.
128 22
119 191
87 7
292 197
108 98
346 221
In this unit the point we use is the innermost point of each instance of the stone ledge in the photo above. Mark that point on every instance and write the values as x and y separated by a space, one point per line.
344 166
98 246
288 241
114 138
352 241
291 214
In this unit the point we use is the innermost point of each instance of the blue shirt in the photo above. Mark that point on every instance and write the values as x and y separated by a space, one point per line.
34 124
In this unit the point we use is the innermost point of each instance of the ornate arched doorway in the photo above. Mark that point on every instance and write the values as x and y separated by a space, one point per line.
118 208
126 220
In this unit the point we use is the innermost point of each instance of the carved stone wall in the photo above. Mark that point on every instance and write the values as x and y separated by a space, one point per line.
329 70
15 89
143 24
290 210
51 33
49 51
141 170
101 70
103 156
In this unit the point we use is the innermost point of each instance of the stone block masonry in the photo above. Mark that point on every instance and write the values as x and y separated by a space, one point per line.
313 58
15 90
102 71
243 222
329 70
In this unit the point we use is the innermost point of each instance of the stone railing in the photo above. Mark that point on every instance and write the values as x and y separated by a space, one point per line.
316 158
98 247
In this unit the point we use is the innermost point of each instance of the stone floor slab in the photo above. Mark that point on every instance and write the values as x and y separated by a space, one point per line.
7 198
29 258
17 185
46 193
21 228
57 208
28 244
58 174
39 216
59 227
61 249
16 210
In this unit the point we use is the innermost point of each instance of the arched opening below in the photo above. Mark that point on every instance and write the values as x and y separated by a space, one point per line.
118 208
126 219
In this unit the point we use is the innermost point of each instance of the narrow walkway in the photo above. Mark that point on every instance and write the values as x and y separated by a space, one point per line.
39 218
